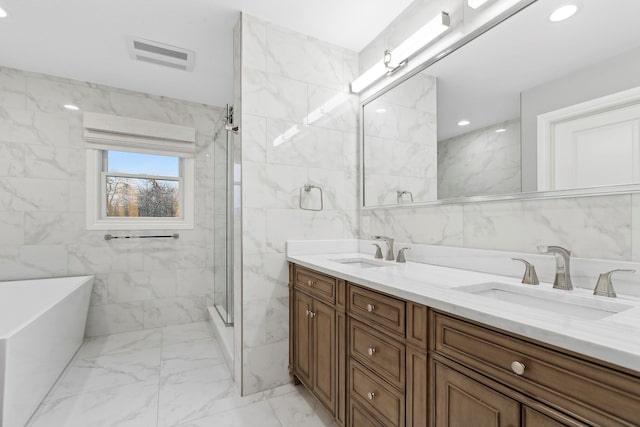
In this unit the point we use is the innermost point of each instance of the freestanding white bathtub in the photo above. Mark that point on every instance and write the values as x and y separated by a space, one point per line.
42 325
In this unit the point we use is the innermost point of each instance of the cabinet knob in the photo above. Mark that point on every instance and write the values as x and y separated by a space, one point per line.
371 351
370 308
311 283
518 368
312 314
371 395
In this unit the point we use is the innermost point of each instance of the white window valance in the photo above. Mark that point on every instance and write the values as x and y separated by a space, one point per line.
109 132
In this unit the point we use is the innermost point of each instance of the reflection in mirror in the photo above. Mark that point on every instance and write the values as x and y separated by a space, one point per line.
530 105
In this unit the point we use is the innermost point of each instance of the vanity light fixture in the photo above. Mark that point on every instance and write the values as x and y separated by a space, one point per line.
464 123
3 13
394 59
501 130
475 4
71 107
564 12
381 110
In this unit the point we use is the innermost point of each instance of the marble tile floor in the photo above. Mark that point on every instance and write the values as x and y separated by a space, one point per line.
167 377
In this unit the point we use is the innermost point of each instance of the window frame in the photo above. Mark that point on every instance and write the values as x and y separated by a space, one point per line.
96 195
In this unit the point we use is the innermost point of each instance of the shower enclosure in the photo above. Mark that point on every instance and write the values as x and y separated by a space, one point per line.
223 219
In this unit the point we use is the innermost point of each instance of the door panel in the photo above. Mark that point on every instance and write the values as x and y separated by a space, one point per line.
462 402
324 351
600 149
303 343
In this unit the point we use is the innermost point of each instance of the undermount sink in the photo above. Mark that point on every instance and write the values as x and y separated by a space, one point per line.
561 302
360 262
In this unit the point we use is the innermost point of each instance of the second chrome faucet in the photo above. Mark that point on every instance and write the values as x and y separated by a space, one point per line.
563 266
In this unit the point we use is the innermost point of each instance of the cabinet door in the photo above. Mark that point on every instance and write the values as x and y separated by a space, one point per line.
417 400
303 343
462 402
323 326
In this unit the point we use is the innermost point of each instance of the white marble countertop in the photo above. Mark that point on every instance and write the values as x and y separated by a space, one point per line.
614 339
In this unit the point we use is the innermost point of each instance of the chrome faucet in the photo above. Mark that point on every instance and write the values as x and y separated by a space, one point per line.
389 241
563 266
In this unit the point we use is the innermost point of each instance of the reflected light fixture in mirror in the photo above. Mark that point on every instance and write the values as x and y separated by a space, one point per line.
501 130
71 107
404 51
381 110
475 4
464 123
564 12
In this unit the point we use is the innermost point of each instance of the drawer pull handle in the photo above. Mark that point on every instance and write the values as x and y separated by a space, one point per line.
371 351
308 312
312 314
370 308
518 368
371 395
311 283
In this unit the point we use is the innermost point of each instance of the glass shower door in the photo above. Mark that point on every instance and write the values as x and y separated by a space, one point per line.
223 222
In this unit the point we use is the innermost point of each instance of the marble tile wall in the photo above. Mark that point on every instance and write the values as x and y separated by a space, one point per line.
299 126
400 153
600 227
480 162
139 284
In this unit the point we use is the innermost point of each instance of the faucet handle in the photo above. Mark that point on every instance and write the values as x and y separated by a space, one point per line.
401 258
378 254
604 287
530 276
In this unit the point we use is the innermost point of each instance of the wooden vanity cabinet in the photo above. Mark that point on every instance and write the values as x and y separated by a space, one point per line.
377 360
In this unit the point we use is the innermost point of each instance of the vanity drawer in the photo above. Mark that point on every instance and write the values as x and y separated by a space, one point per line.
359 417
383 355
315 284
381 310
585 390
380 399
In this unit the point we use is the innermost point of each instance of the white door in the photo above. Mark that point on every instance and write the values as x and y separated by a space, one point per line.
596 150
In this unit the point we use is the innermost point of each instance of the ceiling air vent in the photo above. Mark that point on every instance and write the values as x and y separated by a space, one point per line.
161 54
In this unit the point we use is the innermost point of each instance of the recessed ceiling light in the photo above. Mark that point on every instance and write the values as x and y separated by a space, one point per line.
3 13
500 130
474 4
564 12
71 107
381 110
464 123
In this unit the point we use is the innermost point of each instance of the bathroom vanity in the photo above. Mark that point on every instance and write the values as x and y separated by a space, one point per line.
381 344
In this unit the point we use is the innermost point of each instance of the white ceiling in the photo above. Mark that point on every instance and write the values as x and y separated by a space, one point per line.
86 39
482 81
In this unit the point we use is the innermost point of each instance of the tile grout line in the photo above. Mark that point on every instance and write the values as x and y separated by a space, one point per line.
268 399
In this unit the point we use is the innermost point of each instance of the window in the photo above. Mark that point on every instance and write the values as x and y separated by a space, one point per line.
135 181
141 185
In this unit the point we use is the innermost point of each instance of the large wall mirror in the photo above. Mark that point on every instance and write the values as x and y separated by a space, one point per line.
530 105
